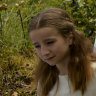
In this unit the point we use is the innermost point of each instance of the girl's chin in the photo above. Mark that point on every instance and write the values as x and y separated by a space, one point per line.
51 64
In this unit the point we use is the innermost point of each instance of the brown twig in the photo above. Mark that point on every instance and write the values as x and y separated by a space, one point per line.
1 24
19 13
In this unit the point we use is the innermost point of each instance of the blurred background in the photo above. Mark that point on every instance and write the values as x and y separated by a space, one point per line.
17 56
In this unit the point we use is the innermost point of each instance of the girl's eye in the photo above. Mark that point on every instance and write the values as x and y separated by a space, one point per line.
37 46
50 42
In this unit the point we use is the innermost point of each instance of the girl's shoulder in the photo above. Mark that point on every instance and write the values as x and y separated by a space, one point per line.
94 67
91 89
38 89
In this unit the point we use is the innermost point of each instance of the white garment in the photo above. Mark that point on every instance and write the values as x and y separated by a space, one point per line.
95 46
65 87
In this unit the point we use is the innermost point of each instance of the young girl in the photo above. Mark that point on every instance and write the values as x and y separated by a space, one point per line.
65 67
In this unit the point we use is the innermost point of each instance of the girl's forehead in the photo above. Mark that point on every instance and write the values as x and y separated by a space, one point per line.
43 33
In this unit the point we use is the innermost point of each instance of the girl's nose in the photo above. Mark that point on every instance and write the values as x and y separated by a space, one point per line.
45 51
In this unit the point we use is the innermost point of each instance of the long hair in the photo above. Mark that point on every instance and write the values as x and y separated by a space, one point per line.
79 68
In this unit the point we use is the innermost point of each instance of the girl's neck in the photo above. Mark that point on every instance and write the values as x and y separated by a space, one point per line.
63 67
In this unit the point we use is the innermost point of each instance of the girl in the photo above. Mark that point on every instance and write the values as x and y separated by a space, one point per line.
65 55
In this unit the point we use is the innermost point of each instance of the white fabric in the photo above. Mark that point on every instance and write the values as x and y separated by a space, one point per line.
65 88
95 46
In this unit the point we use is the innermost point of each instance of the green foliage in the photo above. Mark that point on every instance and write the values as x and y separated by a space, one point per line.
17 59
84 16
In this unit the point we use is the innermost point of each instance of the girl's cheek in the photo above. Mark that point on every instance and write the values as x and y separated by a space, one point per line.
38 53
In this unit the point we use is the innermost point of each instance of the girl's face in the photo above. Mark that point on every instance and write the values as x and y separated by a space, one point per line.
50 46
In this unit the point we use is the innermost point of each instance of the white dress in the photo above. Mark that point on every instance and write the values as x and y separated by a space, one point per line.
95 46
65 87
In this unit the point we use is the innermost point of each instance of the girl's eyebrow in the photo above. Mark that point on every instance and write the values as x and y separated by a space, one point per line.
35 43
49 39
44 40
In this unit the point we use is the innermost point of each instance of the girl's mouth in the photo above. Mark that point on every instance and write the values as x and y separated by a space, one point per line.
50 58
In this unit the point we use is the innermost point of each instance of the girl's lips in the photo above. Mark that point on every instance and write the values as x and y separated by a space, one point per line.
50 58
